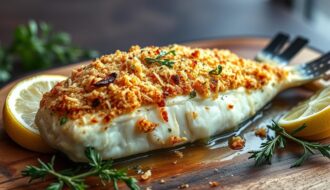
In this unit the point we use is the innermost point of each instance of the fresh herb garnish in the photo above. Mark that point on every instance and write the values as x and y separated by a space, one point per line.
159 59
74 179
268 148
192 94
216 71
63 120
37 46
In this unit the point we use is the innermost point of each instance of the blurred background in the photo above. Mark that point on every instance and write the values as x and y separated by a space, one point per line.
107 25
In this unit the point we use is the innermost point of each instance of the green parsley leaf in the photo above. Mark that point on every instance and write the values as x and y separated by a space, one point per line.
216 71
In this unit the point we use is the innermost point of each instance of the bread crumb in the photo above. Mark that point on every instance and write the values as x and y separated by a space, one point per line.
146 175
261 132
184 186
162 181
176 139
145 126
236 143
178 154
213 184
230 106
194 115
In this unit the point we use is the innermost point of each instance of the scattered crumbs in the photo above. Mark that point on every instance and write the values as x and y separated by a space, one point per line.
175 162
213 184
236 142
184 186
162 181
178 153
145 126
230 106
176 139
146 175
148 188
194 115
261 132
207 108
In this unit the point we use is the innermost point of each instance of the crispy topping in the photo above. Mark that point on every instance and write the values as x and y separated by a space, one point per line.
108 80
176 139
95 103
145 126
122 82
236 143
194 115
216 71
163 114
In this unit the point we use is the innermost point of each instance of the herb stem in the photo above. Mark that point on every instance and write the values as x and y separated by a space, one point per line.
267 149
76 181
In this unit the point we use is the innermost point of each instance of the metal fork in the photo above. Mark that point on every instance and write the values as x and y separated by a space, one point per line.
275 51
315 69
318 68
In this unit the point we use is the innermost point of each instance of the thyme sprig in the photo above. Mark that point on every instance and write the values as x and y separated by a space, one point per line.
160 59
75 178
267 149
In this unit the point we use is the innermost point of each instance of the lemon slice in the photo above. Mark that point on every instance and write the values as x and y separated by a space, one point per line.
314 113
21 107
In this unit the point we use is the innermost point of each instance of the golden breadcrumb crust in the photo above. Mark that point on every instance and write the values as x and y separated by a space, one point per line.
120 83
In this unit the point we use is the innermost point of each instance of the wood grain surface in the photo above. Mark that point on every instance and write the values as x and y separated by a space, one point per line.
201 163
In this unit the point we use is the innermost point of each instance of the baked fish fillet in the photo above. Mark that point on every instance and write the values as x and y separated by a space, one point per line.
156 97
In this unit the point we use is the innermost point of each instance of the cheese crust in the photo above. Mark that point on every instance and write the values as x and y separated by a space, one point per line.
154 97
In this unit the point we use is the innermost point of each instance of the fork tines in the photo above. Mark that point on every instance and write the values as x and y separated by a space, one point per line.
317 68
274 50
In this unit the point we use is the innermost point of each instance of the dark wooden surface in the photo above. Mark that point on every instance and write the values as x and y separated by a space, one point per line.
200 164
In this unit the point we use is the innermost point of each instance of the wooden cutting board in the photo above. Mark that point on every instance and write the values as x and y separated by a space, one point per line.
200 163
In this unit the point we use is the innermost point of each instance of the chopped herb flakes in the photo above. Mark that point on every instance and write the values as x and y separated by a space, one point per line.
63 120
159 59
216 71
192 94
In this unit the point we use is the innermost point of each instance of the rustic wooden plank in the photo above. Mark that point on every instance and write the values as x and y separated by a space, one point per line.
200 163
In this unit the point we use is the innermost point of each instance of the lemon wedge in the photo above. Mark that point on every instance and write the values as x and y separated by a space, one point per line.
314 113
21 107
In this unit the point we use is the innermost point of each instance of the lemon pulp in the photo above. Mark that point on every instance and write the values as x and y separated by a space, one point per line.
314 112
